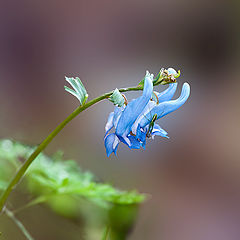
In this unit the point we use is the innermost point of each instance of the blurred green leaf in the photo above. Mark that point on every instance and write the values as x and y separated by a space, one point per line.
11 155
71 192
58 177
47 176
3 184
121 219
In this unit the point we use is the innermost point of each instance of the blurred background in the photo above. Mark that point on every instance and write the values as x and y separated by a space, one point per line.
192 179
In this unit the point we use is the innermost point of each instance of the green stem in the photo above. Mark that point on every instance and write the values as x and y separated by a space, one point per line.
105 233
19 224
15 180
34 202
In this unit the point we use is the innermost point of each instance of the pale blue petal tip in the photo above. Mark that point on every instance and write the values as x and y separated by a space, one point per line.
115 151
167 107
109 140
109 124
168 93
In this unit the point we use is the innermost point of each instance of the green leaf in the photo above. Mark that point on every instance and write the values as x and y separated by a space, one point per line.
57 178
78 90
11 155
3 184
117 98
64 177
70 192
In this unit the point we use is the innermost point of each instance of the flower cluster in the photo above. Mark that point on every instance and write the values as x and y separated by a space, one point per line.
135 122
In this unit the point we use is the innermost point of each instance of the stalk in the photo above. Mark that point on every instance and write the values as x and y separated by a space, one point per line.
21 171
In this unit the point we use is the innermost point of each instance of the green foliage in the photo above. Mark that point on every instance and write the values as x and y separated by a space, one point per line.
3 184
58 177
79 90
10 158
121 218
116 98
70 192
55 177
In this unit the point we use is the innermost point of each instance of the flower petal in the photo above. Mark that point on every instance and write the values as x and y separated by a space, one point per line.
117 114
157 130
111 143
141 134
167 107
144 144
135 144
146 110
109 124
163 96
134 109
168 93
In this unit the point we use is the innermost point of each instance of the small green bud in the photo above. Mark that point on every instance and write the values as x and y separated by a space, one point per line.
166 76
117 98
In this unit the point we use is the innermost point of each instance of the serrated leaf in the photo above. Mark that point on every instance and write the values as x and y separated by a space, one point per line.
60 178
117 98
65 178
68 191
78 90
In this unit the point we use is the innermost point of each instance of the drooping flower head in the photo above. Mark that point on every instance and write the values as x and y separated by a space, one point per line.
135 122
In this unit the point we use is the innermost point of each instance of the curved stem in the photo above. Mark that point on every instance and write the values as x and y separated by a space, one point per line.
105 233
19 224
34 202
15 180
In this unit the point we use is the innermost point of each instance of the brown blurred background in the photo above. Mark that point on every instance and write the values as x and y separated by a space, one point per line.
193 178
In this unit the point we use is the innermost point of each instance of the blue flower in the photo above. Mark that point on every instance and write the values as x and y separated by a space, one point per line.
133 123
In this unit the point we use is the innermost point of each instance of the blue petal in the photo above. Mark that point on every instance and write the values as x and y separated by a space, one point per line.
141 134
167 107
147 109
168 93
109 124
135 144
115 150
134 109
111 143
157 130
117 113
130 141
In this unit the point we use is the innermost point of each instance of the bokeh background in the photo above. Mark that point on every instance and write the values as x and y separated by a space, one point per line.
192 178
